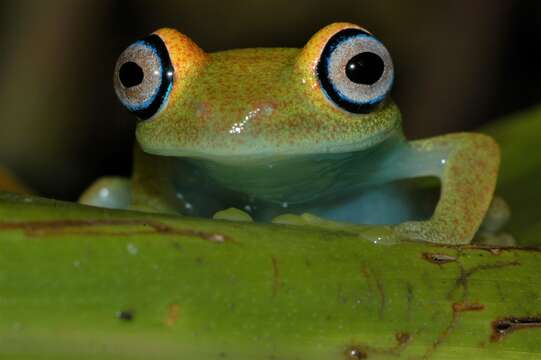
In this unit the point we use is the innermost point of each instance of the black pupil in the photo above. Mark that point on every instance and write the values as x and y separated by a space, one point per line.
130 74
365 68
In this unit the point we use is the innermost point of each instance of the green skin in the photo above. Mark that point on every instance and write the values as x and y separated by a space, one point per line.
252 129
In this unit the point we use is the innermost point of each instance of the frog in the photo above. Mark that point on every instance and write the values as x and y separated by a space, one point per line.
289 136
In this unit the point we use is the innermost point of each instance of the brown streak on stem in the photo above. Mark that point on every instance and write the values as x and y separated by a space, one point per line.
464 306
503 327
462 280
499 250
438 259
369 274
173 312
88 227
445 333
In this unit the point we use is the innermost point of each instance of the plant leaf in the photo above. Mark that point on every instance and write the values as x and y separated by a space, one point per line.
88 283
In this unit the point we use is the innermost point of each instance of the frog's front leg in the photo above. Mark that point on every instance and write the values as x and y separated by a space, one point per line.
108 192
468 168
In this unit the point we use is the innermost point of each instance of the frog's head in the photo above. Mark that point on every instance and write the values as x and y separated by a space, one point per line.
329 97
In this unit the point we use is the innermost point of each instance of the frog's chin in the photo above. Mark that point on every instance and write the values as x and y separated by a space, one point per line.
271 153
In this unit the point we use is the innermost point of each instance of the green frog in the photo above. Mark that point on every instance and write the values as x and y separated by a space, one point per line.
278 134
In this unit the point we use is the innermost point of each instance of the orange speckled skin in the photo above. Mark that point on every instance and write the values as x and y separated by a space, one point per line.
253 129
468 183
256 102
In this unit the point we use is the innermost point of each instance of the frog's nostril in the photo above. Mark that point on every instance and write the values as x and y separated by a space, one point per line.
130 74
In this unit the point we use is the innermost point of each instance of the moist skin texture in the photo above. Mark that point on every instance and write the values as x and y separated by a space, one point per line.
253 130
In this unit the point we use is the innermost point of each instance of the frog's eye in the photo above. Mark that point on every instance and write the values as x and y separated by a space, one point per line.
355 70
144 76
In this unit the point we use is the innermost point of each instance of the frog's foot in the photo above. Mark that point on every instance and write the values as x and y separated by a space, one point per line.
380 234
443 232
233 214
427 231
490 233
108 192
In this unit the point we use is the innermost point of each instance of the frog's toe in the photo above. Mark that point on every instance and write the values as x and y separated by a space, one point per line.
429 232
108 192
412 230
497 216
233 214
490 232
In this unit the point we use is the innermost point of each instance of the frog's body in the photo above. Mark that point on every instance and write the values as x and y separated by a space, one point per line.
320 184
275 131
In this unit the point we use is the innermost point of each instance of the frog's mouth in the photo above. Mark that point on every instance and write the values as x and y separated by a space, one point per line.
259 154
161 139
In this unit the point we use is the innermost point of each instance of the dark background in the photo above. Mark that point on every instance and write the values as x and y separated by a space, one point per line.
459 64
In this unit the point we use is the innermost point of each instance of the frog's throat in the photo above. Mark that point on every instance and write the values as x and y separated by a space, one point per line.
299 179
272 153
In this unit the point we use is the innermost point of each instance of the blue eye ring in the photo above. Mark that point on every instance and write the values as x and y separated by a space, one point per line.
370 99
150 60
